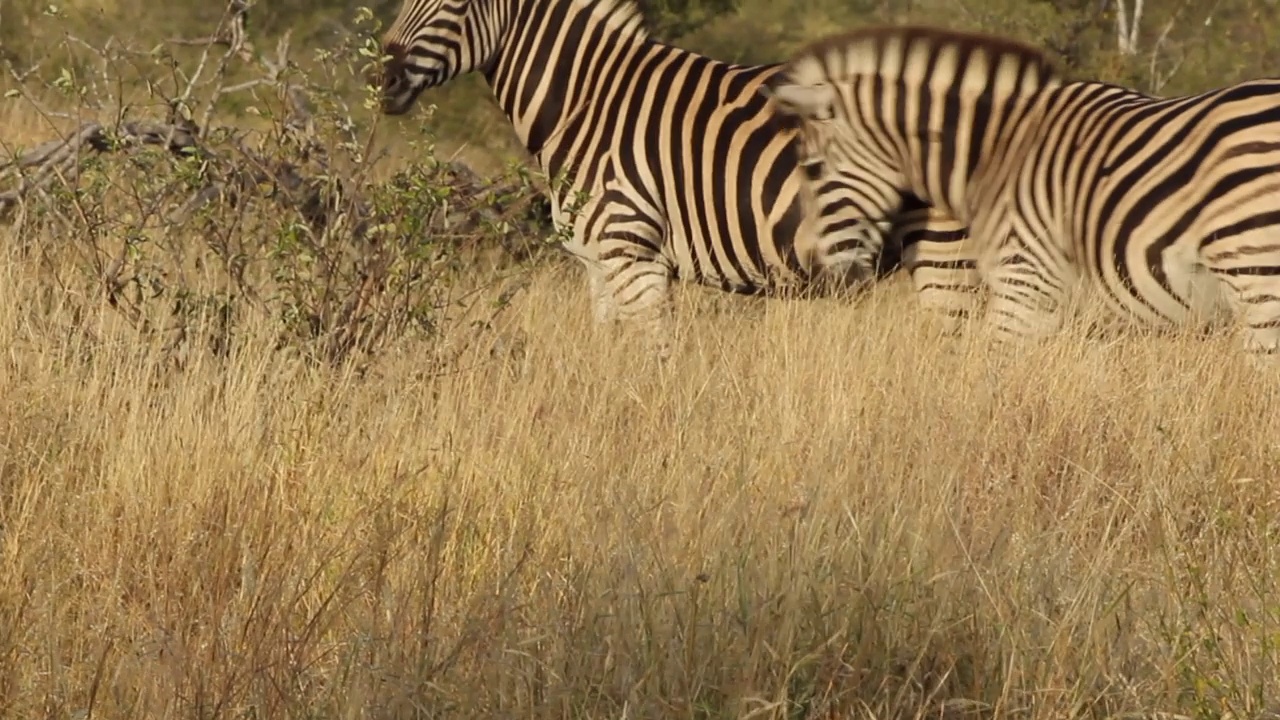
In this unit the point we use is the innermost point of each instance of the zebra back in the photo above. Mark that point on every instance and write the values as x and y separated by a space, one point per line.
929 110
1169 205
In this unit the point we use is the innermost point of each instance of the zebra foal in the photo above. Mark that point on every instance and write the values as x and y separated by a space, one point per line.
1171 206
687 169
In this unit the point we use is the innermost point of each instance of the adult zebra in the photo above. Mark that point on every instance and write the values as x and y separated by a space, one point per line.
1059 181
687 170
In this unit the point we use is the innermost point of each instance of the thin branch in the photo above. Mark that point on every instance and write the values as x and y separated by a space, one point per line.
233 34
1158 82
235 13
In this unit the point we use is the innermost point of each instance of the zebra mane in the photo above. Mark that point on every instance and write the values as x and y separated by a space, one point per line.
622 15
857 52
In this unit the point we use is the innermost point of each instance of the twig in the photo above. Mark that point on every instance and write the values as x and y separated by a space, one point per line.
1157 82
236 10
21 77
274 69
233 35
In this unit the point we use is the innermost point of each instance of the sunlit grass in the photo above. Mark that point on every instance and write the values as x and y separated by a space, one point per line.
817 509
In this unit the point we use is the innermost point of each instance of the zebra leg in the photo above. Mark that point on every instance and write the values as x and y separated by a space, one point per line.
1027 298
940 258
849 259
640 290
603 311
635 279
1252 283
945 276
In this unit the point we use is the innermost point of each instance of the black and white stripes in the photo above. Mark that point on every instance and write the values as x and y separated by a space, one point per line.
1170 206
687 170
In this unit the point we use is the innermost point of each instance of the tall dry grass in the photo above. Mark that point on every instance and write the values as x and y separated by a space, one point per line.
817 509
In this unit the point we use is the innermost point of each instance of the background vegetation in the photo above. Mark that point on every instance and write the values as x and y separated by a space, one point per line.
1175 46
298 418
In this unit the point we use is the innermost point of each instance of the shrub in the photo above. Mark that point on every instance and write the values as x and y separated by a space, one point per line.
234 187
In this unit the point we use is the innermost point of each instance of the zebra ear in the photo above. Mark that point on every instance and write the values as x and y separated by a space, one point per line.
810 102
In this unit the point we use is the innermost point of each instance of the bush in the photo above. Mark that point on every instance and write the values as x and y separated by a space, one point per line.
192 223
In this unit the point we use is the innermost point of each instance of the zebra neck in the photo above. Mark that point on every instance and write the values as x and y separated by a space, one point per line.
557 65
955 168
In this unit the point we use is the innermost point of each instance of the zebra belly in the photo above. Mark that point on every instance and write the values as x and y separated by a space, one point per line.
709 269
1171 289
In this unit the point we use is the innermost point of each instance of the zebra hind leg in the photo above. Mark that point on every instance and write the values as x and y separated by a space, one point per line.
1251 278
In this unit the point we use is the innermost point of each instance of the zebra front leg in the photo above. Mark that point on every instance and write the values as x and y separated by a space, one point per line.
636 282
603 311
944 272
1027 298
849 256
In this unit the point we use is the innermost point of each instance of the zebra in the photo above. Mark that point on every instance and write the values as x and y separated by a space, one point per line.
1169 206
688 171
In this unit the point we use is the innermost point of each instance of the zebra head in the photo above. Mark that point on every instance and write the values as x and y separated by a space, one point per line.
834 142
433 41
828 93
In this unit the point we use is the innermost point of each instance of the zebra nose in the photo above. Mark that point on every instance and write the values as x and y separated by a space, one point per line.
391 78
392 81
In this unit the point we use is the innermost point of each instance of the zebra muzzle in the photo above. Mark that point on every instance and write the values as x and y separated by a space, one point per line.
391 79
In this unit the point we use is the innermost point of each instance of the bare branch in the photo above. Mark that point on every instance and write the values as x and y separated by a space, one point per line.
233 17
60 159
232 35
274 69
1159 80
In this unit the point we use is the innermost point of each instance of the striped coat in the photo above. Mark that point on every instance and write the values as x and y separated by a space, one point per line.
684 170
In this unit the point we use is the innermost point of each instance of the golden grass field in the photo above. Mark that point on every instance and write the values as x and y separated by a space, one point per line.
816 509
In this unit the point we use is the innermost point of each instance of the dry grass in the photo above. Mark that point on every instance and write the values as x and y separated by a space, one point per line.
817 510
